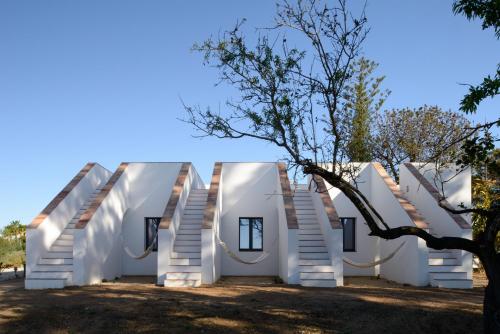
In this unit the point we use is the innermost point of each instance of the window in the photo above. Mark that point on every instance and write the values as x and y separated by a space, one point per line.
151 224
349 225
251 234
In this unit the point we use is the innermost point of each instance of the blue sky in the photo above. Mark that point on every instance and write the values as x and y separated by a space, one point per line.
102 80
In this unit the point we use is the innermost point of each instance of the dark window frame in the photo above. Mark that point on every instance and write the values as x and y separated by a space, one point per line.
146 220
250 235
353 234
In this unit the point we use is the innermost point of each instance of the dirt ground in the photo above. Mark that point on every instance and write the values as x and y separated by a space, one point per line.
236 305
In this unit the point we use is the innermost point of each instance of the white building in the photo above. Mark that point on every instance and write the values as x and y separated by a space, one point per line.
249 221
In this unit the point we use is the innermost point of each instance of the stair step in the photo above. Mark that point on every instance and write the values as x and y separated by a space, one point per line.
63 242
187 237
184 255
66 237
58 255
187 249
68 231
313 262
190 227
445 268
452 283
182 283
316 269
448 275
187 243
315 231
317 237
55 261
315 243
322 275
312 249
321 283
184 275
188 231
54 267
442 256
441 262
32 284
56 248
308 226
184 262
314 256
51 274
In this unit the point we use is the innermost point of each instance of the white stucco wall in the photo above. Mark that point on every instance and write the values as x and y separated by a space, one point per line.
149 189
39 240
247 191
367 249
410 264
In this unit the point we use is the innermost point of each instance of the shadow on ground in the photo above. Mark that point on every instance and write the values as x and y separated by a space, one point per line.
137 305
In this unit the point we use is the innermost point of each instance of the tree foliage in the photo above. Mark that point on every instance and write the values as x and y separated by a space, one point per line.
417 135
365 98
13 245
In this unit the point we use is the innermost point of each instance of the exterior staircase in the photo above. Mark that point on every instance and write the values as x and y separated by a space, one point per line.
185 261
314 260
445 270
54 270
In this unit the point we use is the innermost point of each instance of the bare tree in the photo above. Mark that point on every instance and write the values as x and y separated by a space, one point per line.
296 100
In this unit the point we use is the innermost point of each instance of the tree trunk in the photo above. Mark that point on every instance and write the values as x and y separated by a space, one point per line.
491 304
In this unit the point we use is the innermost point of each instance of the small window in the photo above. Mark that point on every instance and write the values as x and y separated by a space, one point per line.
151 224
349 225
251 234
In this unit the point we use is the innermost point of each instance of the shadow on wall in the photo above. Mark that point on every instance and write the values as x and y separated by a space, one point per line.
119 307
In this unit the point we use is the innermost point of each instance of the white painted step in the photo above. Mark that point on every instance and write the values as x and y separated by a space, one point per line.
185 262
66 237
446 268
302 232
188 231
58 255
317 237
440 262
54 267
452 283
189 227
182 283
312 249
308 226
187 249
32 284
187 237
312 262
63 242
51 274
316 243
322 283
442 256
316 269
184 269
184 275
181 255
315 276
188 243
448 275
55 261
314 256
61 249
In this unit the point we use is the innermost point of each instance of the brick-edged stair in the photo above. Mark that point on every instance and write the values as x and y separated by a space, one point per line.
185 261
54 270
314 260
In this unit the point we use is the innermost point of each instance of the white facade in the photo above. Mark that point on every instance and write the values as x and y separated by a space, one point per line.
81 237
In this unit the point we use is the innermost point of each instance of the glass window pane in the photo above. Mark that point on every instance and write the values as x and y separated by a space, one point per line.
349 234
257 233
244 233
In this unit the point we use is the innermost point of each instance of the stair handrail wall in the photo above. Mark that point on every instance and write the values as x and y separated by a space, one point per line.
97 248
187 179
388 200
210 248
425 197
330 225
288 229
50 223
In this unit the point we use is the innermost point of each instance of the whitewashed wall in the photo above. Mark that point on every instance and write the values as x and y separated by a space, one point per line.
39 240
459 191
149 189
247 191
410 264
367 247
